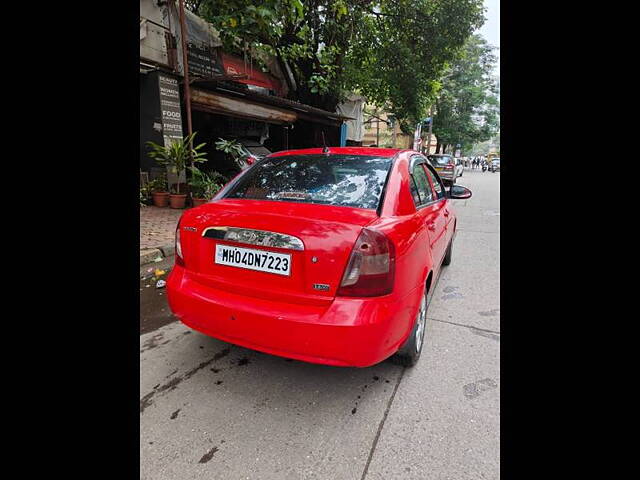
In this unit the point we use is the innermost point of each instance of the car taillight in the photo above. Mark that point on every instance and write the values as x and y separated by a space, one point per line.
179 257
371 268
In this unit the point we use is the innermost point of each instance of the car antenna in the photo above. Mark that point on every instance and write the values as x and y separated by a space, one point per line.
324 142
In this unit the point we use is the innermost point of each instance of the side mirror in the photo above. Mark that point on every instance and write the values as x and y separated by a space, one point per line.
458 192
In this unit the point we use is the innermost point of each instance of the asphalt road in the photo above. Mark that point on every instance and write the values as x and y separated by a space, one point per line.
216 411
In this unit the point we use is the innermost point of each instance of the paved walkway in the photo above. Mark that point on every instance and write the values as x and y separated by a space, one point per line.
158 226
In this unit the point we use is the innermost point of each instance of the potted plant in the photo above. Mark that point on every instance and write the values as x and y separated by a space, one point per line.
204 186
197 185
175 157
233 150
145 194
214 182
159 191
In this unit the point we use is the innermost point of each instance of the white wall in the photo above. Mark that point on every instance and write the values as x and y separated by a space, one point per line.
153 46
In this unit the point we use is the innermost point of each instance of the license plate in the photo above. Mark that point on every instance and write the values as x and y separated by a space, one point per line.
252 259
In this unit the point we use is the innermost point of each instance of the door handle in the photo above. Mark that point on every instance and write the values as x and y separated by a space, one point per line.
432 227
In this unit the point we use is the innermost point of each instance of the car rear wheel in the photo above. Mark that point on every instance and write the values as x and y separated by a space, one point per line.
410 351
447 256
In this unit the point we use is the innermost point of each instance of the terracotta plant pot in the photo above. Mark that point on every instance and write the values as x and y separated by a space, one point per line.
160 199
199 201
177 201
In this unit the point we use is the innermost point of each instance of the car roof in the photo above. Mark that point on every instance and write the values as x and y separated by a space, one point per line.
370 151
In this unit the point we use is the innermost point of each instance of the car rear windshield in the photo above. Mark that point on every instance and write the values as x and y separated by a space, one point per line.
344 180
439 160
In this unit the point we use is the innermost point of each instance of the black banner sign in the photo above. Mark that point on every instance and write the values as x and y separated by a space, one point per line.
170 107
204 61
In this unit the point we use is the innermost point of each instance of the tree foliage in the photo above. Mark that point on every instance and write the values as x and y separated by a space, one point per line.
467 110
391 51
408 45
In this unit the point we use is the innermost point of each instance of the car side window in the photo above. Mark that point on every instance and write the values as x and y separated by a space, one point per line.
414 191
437 183
422 185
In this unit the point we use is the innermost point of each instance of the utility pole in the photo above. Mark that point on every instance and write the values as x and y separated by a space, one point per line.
430 130
185 66
187 90
393 133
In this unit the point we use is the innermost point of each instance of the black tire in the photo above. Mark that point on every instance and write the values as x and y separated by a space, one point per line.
447 256
410 351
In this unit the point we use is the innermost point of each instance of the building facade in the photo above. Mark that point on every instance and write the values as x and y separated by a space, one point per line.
232 97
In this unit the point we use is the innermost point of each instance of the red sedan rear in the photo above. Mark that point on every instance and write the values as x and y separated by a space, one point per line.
321 256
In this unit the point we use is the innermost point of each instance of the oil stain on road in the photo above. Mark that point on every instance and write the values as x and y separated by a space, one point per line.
172 384
209 455
473 390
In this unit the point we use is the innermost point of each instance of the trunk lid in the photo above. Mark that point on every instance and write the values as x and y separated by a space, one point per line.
326 232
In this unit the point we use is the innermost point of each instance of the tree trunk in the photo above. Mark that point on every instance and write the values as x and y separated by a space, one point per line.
438 147
283 67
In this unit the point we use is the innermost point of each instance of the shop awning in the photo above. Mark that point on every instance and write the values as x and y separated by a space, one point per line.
220 104
249 74
227 99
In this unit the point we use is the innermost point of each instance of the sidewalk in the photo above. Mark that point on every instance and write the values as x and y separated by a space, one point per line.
157 232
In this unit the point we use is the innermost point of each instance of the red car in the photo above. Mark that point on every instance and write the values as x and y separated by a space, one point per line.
321 255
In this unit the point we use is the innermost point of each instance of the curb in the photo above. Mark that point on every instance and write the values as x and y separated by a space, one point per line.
149 255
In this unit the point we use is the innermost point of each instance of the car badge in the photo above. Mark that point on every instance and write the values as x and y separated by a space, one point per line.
320 286
190 229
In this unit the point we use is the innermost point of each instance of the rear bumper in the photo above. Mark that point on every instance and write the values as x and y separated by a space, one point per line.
448 175
349 332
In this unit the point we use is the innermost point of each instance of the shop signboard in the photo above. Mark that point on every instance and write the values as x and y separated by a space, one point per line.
171 116
203 61
170 108
203 48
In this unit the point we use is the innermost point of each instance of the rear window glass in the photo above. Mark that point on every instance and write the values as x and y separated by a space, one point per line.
344 180
439 160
